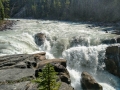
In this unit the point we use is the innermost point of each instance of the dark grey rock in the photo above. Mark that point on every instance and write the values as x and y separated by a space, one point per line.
40 38
112 60
17 86
89 83
15 74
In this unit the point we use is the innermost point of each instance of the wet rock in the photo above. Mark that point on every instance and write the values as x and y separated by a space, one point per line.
65 78
112 60
89 83
109 41
79 40
112 50
62 73
6 25
40 38
111 66
118 39
112 41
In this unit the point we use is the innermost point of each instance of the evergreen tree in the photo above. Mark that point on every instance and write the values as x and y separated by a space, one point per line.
47 79
2 15
6 8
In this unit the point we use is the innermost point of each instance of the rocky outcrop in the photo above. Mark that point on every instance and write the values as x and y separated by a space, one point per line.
89 83
6 25
118 39
112 41
112 60
79 40
17 71
40 38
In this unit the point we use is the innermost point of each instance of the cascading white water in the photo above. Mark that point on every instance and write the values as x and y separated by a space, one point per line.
78 44
89 59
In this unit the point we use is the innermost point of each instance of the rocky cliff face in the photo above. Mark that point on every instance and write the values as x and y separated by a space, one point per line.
17 71
112 60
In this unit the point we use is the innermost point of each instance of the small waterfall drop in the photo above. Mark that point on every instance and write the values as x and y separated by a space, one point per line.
90 59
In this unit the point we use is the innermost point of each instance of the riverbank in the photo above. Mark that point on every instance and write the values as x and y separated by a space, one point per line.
6 24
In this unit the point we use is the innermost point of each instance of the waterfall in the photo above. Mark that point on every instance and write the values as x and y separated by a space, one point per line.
80 45
90 59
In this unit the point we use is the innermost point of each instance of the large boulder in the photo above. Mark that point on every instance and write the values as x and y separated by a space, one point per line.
111 66
40 38
89 83
62 73
112 60
118 39
59 68
112 41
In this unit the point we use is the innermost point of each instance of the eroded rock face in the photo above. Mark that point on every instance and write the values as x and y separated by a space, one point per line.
112 60
40 38
62 73
89 83
59 68
17 71
118 39
112 41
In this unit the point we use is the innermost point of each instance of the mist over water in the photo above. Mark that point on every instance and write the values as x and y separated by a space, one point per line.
76 42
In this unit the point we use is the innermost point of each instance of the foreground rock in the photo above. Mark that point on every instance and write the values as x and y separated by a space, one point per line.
16 71
88 83
112 60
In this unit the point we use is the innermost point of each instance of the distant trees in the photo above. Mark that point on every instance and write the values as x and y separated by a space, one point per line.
2 14
4 9
93 10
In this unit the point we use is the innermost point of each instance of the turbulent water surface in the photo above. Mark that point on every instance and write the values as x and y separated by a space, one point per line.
78 43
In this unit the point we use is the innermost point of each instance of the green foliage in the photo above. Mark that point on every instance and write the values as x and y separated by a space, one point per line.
4 9
93 10
47 79
2 14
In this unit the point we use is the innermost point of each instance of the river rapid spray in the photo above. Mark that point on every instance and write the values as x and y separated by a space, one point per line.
76 42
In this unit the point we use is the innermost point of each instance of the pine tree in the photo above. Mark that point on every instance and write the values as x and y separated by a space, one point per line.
47 79
6 8
2 15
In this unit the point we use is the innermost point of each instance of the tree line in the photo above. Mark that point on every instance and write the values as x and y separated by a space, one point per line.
79 10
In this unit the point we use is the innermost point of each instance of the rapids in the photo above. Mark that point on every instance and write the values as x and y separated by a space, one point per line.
78 43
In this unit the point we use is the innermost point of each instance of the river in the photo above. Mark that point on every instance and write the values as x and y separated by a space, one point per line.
77 42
